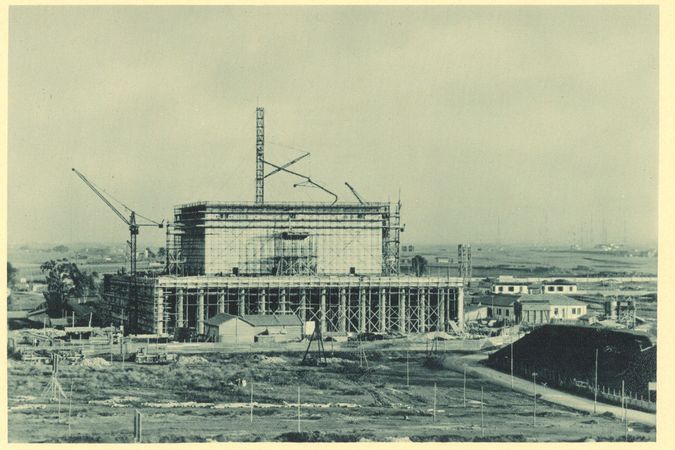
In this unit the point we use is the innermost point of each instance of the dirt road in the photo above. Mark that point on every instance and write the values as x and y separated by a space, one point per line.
474 367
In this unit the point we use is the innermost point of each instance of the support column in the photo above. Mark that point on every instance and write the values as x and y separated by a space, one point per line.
343 311
200 312
383 311
303 307
423 311
262 306
282 302
460 307
402 313
159 317
322 312
242 302
180 315
221 301
362 311
440 325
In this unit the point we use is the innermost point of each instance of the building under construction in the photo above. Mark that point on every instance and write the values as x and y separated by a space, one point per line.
334 263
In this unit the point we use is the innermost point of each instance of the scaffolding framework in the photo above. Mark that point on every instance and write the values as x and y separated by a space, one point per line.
339 304
212 238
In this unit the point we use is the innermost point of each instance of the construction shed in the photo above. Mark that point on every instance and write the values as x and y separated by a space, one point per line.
249 328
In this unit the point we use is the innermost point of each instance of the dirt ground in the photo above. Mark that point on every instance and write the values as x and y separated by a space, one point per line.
194 401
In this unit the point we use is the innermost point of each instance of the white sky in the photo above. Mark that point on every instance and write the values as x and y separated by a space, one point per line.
543 117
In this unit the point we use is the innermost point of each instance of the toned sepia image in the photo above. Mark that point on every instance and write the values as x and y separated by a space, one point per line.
332 224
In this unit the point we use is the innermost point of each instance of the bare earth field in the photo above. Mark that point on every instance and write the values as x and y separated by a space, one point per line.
339 402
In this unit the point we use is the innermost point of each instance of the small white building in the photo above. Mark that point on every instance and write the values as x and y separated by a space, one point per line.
249 328
510 288
538 309
559 287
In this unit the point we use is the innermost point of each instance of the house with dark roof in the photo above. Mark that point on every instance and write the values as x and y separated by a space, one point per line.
250 328
544 308
559 286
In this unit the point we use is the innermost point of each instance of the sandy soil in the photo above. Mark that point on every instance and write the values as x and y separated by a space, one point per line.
340 402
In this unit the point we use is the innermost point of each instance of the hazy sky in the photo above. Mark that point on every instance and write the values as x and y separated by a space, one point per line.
541 119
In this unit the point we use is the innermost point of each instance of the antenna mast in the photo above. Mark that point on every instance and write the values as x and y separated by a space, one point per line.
260 156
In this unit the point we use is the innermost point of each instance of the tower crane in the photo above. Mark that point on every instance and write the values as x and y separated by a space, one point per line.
131 221
358 197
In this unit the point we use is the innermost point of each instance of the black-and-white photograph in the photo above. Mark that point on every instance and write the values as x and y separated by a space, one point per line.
332 223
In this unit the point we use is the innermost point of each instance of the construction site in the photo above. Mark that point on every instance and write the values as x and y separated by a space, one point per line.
336 264
295 322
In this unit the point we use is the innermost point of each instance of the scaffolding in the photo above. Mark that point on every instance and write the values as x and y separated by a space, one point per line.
340 304
210 238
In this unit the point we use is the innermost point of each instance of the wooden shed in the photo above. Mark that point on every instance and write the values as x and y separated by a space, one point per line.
245 329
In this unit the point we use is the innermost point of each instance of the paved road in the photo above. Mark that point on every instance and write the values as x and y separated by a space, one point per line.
545 393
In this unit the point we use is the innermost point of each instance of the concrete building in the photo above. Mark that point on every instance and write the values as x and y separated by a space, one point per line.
341 304
538 309
510 288
559 287
501 307
335 263
246 329
286 239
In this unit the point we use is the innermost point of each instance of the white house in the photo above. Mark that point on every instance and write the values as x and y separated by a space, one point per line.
510 288
559 287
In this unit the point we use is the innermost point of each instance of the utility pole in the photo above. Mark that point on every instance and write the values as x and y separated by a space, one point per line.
595 393
534 386
298 409
407 368
251 400
465 386
625 413
482 423
434 402
511 363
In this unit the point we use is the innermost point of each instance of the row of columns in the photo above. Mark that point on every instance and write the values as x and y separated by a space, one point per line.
443 316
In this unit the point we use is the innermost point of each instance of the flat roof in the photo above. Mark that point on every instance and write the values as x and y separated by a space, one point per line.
283 205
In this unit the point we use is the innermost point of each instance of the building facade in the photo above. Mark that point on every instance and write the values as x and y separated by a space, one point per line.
286 239
544 308
339 304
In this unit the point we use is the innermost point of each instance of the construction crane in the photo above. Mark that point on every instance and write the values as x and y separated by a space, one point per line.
356 194
131 221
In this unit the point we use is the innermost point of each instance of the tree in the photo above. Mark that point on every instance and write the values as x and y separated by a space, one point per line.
419 265
161 253
64 279
11 274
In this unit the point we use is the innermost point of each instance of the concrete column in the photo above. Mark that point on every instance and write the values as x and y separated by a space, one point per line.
303 307
402 313
343 311
322 312
180 315
441 310
383 311
423 310
282 302
262 307
200 312
159 318
362 311
460 307
221 302
242 302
